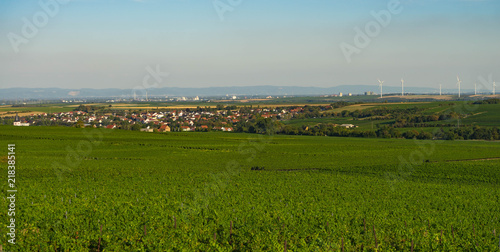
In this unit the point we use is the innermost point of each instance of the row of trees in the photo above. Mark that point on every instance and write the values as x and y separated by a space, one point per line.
489 101
419 120
464 133
377 113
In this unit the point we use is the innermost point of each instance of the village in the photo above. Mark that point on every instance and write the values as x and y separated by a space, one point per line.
163 121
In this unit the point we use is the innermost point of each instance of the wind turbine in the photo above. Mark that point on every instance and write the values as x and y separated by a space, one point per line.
494 85
458 84
381 82
475 88
402 87
440 89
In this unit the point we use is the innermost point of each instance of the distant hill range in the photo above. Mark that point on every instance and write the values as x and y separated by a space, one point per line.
62 93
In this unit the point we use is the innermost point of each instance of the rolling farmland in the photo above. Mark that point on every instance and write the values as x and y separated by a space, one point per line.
111 190
243 126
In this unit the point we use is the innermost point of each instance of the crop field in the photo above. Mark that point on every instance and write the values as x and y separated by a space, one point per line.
112 190
365 124
8 110
414 97
485 115
273 102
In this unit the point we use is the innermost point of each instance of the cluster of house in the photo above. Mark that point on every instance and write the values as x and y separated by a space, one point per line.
18 122
163 121
187 120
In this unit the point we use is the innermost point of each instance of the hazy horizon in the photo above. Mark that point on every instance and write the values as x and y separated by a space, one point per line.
118 43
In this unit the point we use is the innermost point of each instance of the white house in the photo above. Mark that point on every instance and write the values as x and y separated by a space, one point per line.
21 124
348 126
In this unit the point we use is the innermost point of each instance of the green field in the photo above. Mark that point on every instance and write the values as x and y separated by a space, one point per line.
49 108
485 115
198 192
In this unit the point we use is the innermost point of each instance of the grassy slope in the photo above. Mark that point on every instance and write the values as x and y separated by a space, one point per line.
132 179
46 109
487 115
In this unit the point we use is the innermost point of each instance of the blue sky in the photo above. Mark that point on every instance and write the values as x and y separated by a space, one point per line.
110 43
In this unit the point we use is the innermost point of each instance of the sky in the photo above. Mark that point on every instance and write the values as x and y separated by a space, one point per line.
204 43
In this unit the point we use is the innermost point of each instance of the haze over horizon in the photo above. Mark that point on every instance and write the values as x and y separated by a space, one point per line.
112 43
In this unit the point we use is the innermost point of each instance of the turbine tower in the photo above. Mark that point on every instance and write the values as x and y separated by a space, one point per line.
402 87
494 86
458 84
475 88
439 89
381 82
